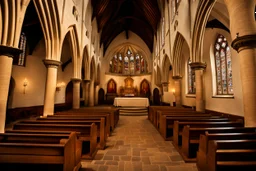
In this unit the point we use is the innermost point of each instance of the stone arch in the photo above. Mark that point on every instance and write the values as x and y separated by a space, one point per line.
203 12
72 37
165 69
177 54
85 63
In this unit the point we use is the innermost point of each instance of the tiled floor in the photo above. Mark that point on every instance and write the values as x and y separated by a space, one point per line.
136 145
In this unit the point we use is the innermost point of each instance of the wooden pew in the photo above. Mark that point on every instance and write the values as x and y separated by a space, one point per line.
79 113
81 117
159 115
152 114
113 113
87 134
44 151
246 133
178 127
166 124
100 123
231 155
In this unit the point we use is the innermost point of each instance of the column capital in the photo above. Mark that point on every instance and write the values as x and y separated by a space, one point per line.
177 77
86 81
198 65
164 83
9 51
49 63
76 79
244 42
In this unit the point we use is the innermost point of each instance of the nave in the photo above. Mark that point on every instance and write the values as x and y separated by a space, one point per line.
135 144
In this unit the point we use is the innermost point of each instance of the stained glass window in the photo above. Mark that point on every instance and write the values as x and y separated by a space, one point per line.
191 79
128 64
22 46
223 66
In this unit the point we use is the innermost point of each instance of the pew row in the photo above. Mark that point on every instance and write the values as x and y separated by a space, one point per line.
178 128
239 134
100 123
231 155
167 122
87 134
39 152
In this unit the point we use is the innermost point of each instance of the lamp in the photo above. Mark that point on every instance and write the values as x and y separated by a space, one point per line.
173 91
25 83
59 85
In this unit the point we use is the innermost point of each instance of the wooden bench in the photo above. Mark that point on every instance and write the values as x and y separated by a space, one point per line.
87 134
159 114
231 155
39 152
166 123
113 113
246 133
100 123
81 117
152 111
91 114
178 128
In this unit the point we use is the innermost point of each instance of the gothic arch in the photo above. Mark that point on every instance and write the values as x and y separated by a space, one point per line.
50 22
165 68
85 63
202 15
177 53
92 69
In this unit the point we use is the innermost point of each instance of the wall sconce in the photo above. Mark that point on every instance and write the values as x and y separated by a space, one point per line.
25 83
59 85
173 91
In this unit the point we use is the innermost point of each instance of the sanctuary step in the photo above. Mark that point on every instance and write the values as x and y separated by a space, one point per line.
133 111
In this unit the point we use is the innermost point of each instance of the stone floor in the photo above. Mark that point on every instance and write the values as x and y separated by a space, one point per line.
136 145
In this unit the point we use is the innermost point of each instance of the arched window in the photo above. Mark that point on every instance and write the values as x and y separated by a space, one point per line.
191 79
22 46
223 66
131 63
163 32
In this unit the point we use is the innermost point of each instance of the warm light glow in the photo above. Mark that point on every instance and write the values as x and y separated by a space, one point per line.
25 83
173 90
61 84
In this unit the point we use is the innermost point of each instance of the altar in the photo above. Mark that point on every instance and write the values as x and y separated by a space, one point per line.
131 101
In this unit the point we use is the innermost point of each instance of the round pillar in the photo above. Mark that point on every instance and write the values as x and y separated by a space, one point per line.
86 84
6 58
76 92
243 33
91 93
177 86
50 86
199 71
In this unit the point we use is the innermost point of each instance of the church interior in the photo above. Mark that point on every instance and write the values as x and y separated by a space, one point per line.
161 85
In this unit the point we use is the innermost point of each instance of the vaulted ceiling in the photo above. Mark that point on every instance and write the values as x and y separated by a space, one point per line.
115 16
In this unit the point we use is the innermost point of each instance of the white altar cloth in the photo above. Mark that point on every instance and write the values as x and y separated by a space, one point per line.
131 101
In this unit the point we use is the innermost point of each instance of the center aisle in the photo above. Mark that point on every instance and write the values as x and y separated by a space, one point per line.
136 145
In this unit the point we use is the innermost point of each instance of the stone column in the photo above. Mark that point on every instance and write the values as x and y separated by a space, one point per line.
91 93
86 84
76 92
199 71
243 33
6 57
177 86
50 86
96 97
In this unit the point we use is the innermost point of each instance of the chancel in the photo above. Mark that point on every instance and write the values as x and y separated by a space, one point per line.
127 85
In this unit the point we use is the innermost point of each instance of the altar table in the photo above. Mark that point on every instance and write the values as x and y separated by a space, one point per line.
131 101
